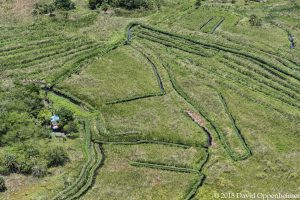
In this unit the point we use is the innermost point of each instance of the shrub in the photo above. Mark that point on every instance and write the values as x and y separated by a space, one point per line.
2 184
197 4
71 127
254 21
64 4
65 115
31 151
25 167
4 170
93 4
128 4
39 170
56 156
10 162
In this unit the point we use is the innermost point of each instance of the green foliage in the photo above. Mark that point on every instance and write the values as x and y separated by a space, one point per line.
56 156
19 107
2 184
10 161
197 4
39 170
254 20
64 4
128 4
65 115
43 8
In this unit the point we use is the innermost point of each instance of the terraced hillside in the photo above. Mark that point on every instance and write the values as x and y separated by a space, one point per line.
174 103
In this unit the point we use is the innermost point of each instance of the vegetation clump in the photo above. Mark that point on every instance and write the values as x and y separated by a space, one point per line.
127 4
2 184
56 156
50 8
254 20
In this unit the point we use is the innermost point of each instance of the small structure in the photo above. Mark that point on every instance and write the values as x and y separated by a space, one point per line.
54 122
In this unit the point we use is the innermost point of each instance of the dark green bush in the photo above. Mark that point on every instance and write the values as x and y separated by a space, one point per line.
11 163
56 156
64 4
127 4
65 115
2 184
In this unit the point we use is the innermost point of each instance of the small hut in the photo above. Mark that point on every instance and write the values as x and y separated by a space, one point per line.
54 122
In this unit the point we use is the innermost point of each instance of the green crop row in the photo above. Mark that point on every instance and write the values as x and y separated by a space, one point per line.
91 177
239 74
174 43
85 180
163 167
87 147
184 146
23 56
217 25
142 138
205 23
268 87
294 86
220 134
270 67
133 98
18 61
205 115
49 68
20 47
79 63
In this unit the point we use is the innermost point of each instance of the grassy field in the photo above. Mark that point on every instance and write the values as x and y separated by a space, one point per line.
131 78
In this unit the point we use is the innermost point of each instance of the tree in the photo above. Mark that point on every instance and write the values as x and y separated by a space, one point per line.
2 184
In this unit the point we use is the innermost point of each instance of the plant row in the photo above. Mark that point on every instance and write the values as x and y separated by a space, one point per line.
21 60
205 23
266 87
217 25
269 66
164 167
154 68
86 178
174 43
184 146
84 60
235 156
133 98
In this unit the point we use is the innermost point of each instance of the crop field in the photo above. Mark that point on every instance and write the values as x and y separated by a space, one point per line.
181 101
